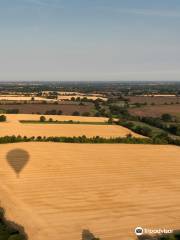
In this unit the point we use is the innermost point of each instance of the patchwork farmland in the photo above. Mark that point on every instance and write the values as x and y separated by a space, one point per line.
94 165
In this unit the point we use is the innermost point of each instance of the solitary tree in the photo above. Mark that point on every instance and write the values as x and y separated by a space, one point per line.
42 119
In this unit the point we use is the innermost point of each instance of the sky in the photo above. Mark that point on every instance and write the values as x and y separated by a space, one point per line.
89 40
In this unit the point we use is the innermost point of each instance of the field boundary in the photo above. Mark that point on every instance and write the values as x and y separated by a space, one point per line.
82 139
63 122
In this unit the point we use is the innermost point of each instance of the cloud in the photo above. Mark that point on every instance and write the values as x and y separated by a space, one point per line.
41 3
148 12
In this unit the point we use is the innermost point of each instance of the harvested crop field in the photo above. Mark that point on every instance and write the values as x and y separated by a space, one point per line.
22 98
156 111
109 189
17 117
14 127
66 109
154 99
68 97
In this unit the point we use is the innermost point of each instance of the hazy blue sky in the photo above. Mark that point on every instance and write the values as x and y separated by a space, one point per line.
89 39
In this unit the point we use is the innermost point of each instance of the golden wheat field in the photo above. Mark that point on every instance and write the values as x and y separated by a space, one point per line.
62 97
109 189
80 94
17 117
93 97
14 127
22 98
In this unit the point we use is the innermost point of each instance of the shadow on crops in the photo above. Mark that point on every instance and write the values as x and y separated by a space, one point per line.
10 230
17 159
172 236
87 235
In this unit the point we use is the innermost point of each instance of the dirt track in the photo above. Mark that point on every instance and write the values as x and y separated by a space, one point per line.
109 189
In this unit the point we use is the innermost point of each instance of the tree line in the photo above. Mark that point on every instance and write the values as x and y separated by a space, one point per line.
80 139
92 140
167 125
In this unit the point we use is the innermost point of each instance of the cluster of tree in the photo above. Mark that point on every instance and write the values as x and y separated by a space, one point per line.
171 103
118 111
143 130
110 88
9 230
2 118
52 95
116 97
87 235
54 112
171 236
163 123
138 105
108 110
156 138
166 117
101 112
76 113
86 114
99 108
85 99
11 111
173 129
78 99
153 121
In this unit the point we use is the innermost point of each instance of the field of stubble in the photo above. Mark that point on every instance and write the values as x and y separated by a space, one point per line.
14 127
109 189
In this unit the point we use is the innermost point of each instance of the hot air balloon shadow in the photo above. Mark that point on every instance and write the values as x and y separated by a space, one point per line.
17 159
